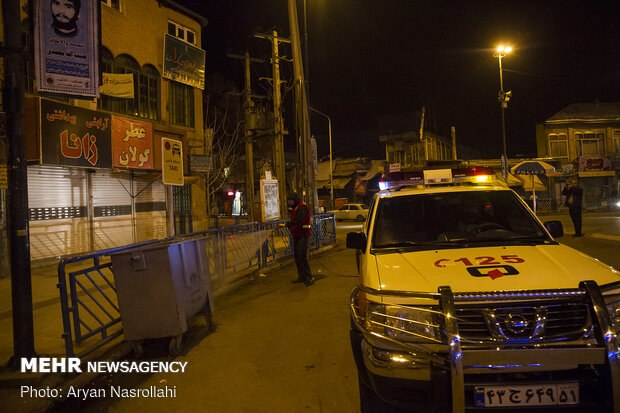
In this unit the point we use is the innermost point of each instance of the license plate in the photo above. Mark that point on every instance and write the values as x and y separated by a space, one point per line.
536 395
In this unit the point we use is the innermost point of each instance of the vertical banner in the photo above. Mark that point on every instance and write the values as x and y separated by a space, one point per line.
132 143
66 46
172 162
74 136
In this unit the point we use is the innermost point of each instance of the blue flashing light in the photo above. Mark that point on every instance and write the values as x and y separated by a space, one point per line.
519 295
505 366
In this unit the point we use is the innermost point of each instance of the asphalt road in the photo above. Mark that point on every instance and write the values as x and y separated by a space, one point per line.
282 347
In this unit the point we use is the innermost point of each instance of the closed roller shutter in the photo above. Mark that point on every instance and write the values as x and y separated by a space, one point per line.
150 208
112 226
58 207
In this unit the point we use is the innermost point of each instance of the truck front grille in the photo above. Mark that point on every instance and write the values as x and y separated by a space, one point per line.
509 322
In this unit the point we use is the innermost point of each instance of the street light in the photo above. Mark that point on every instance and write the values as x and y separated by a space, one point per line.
331 176
503 99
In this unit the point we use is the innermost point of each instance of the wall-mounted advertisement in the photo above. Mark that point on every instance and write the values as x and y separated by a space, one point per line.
594 163
66 46
172 162
269 199
75 136
132 143
183 62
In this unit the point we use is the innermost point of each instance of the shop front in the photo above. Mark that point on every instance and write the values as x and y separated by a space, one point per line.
96 184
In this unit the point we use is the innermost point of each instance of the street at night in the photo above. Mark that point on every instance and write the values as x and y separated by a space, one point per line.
309 206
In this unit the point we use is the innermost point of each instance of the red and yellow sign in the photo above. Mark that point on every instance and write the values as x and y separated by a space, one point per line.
132 143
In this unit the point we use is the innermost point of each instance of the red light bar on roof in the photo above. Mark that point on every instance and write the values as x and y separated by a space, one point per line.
429 177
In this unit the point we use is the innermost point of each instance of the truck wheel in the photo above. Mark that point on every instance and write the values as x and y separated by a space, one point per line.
371 403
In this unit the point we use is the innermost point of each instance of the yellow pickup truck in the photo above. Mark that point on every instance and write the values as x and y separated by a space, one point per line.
466 302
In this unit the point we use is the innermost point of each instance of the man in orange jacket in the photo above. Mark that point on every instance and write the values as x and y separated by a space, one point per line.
299 225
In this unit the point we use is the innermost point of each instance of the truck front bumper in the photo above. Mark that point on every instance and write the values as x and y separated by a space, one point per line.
404 380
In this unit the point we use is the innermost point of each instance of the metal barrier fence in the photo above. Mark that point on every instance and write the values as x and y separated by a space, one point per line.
604 203
88 293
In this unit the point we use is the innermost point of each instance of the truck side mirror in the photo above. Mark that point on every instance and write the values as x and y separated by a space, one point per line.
356 240
555 228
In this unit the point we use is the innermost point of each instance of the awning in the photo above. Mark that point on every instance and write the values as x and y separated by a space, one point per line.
376 168
339 183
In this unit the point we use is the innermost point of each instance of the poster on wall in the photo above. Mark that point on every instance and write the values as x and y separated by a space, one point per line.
172 162
269 199
132 143
66 47
75 136
118 85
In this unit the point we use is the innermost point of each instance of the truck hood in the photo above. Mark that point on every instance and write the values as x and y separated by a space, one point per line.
491 269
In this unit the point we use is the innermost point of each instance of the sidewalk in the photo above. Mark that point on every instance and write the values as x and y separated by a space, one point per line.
48 332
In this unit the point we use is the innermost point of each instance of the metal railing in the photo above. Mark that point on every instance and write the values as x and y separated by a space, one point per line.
90 312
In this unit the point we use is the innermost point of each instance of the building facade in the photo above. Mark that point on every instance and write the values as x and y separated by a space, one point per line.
112 193
584 140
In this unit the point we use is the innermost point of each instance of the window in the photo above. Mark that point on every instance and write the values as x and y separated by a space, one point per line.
115 4
127 64
146 87
558 145
452 216
617 141
181 104
181 32
590 143
149 92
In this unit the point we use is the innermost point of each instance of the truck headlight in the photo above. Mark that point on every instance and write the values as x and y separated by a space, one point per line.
613 308
611 295
404 323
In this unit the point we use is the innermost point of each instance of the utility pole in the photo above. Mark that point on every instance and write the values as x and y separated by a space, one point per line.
301 113
422 133
250 118
453 135
250 126
278 144
19 246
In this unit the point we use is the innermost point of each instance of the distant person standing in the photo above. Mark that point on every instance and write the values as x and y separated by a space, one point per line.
65 14
300 230
574 198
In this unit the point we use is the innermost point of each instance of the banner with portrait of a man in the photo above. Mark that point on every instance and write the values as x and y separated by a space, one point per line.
65 41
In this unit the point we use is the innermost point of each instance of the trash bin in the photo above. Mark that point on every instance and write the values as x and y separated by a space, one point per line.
159 287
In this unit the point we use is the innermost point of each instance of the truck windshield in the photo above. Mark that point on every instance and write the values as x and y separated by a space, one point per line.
455 218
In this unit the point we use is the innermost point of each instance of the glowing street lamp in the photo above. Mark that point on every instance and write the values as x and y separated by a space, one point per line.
503 99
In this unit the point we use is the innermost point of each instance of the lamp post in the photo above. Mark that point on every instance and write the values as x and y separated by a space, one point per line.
331 171
503 99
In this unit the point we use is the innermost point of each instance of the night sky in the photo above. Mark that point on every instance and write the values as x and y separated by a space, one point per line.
374 64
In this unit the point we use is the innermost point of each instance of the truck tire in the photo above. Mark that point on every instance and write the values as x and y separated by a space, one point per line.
371 403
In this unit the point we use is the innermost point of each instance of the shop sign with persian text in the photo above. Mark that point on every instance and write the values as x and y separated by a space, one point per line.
183 62
132 143
75 136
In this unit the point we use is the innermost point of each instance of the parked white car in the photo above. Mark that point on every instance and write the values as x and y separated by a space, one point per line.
358 212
